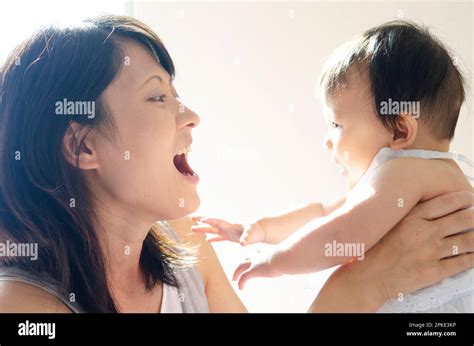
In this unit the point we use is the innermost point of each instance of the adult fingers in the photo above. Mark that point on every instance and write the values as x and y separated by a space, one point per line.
458 244
459 221
454 265
444 205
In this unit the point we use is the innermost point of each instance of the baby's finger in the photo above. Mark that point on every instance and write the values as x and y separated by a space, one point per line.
244 238
215 238
197 218
248 237
204 229
240 269
244 278
214 222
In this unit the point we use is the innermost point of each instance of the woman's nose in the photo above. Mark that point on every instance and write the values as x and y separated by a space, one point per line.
187 117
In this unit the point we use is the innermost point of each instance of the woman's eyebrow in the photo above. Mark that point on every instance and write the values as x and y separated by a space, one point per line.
152 77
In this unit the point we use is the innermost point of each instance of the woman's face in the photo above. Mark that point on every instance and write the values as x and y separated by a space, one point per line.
139 169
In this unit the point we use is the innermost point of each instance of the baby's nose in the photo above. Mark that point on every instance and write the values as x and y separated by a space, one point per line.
328 143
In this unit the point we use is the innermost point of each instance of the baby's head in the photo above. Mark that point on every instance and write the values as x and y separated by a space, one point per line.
395 86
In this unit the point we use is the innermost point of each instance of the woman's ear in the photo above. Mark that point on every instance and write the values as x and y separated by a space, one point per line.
78 148
405 132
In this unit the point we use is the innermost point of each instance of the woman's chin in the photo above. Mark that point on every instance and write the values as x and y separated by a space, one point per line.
186 206
193 205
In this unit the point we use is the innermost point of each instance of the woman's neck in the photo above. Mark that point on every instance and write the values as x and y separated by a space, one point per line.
121 234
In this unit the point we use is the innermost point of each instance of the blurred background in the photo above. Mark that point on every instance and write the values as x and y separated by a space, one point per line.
250 70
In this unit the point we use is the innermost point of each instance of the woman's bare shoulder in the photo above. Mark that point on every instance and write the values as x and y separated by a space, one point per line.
22 297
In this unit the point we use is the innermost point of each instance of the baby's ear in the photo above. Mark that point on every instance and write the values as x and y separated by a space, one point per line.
404 133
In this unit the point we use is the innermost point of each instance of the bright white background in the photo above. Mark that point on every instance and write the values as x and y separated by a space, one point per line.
250 70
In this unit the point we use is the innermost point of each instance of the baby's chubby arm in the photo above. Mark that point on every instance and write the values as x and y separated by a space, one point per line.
271 229
372 209
279 227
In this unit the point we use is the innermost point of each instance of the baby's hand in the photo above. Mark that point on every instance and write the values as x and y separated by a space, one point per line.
223 230
259 265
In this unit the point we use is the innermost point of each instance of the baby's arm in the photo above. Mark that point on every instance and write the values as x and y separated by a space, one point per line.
270 230
372 209
280 227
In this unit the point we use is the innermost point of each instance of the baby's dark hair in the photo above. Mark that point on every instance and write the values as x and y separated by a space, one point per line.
403 62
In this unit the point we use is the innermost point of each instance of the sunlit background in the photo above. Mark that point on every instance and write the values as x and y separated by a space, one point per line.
250 70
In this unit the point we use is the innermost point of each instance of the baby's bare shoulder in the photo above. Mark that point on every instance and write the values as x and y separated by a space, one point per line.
434 176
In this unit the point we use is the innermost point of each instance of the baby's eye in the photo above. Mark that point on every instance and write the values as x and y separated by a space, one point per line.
335 125
160 98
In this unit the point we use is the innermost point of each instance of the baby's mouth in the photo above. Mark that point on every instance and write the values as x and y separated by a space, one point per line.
180 161
343 170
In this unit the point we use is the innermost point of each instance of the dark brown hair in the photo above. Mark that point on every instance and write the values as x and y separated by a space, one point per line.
402 62
37 184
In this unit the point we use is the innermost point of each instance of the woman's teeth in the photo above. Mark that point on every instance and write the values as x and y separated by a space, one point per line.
183 151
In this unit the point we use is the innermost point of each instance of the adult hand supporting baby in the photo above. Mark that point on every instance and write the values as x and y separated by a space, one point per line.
416 253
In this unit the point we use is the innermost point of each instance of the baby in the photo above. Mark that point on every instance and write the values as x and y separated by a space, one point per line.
391 98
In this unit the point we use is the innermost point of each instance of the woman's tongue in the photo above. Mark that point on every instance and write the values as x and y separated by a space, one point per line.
182 165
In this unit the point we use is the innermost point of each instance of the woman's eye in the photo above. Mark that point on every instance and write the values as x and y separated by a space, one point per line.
335 125
160 98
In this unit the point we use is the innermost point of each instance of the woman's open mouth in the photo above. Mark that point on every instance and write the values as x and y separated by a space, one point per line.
180 161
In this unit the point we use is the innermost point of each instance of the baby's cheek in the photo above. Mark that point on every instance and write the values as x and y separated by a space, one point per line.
360 158
348 150
338 144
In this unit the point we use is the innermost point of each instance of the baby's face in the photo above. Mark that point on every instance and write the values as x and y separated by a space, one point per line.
355 134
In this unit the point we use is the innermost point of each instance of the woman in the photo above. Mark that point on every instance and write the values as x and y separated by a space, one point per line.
93 152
